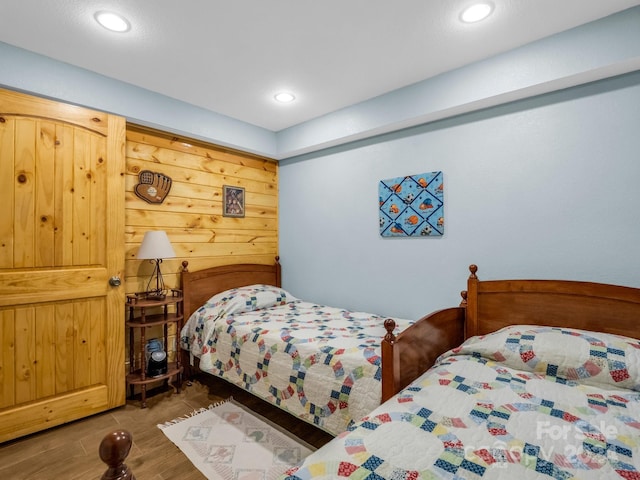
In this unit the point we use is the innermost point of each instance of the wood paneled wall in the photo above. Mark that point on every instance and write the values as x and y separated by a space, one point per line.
192 212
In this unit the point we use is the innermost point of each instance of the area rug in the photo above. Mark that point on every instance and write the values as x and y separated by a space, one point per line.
230 442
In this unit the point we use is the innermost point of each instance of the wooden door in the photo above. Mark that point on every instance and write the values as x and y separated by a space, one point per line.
61 239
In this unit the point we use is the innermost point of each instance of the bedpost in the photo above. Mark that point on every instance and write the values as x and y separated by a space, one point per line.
390 362
278 272
471 300
463 302
113 450
186 306
185 358
415 349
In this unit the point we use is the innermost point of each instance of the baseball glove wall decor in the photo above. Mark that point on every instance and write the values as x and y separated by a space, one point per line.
153 187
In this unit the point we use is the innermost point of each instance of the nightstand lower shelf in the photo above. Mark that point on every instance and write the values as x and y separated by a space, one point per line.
135 378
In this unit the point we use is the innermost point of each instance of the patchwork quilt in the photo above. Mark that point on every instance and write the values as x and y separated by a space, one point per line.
319 363
521 403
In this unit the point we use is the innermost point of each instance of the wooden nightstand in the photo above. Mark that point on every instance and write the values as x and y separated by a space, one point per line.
144 313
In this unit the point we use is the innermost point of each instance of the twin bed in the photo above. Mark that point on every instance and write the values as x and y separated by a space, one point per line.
527 378
319 363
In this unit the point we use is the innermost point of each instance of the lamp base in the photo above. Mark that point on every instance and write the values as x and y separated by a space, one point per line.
154 295
159 292
151 295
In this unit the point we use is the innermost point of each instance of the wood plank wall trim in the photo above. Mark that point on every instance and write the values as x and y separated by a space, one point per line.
192 212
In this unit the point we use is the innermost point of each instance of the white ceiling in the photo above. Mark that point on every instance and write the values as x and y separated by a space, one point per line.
232 56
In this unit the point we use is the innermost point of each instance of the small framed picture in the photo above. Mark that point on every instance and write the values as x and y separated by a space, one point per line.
233 201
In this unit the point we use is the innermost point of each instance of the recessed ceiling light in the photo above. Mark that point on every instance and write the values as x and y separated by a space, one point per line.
112 21
284 97
476 12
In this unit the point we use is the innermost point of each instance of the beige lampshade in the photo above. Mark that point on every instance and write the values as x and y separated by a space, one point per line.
155 244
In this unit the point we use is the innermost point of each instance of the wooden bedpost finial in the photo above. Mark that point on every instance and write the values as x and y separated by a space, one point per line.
114 448
473 269
463 294
389 325
277 258
185 266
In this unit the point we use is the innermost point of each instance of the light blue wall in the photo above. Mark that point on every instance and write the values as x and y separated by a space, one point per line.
36 74
547 187
600 49
539 148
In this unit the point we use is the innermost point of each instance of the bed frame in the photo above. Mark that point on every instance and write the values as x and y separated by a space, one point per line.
200 286
486 306
490 305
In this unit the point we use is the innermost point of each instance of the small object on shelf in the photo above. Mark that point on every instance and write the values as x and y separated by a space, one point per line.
156 358
150 297
157 364
152 365
156 294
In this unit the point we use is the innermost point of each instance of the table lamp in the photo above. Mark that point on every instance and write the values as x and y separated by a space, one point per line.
155 246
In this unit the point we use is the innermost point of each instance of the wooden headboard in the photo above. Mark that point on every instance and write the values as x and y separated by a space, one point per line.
200 286
493 304
490 305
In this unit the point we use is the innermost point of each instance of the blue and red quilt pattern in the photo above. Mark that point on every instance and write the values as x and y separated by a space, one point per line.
522 403
319 363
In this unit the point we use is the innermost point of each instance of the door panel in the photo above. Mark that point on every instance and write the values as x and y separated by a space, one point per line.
61 239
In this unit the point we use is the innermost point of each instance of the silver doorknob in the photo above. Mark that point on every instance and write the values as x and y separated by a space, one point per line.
115 281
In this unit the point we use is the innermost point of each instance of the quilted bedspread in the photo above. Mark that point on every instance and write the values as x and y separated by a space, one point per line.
523 402
320 363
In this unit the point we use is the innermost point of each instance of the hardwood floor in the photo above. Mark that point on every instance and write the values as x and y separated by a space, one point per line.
70 452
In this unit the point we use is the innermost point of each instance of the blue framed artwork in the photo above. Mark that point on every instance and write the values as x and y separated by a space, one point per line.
412 206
